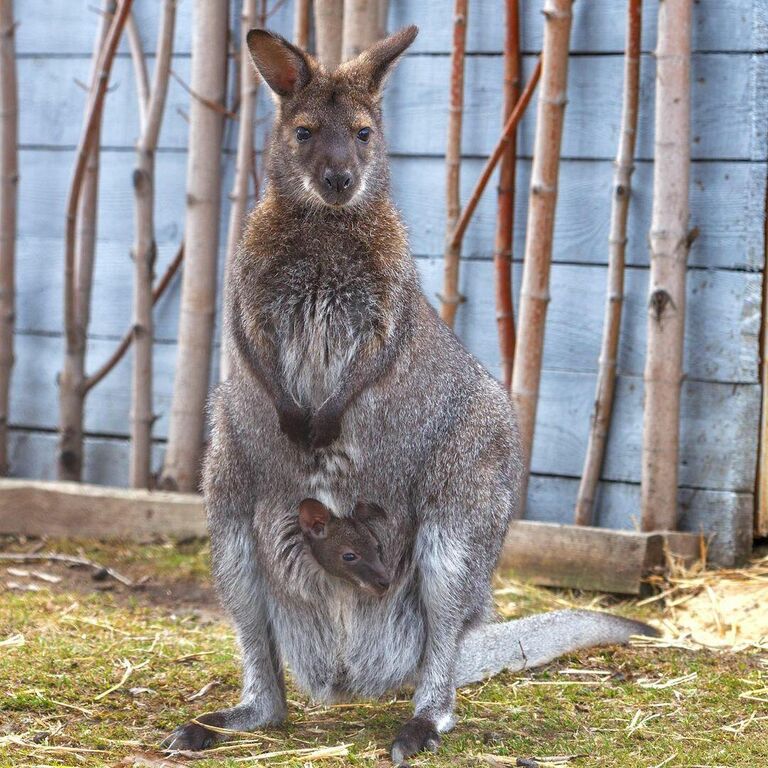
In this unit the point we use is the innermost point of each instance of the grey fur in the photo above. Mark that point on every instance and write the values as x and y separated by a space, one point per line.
333 335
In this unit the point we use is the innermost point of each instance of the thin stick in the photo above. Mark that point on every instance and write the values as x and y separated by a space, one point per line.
606 377
669 253
450 297
534 294
9 182
249 88
127 339
140 74
329 15
301 19
505 216
144 252
490 164
203 212
78 264
361 26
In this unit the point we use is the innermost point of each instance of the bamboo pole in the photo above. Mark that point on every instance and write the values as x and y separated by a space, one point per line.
361 26
80 234
534 293
249 87
198 293
450 297
301 24
505 216
144 253
329 16
669 254
9 181
617 241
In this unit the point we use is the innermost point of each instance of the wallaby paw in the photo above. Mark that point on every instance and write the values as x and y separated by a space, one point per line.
194 736
416 735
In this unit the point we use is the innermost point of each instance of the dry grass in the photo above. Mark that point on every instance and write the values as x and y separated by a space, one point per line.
94 673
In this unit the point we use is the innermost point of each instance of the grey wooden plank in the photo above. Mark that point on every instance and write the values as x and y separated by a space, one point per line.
722 319
68 26
727 204
724 517
598 25
718 430
416 106
722 323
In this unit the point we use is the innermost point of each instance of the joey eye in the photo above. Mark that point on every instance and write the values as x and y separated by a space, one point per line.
364 134
349 557
303 134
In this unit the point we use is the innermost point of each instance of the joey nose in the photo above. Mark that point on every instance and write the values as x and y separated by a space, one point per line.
337 181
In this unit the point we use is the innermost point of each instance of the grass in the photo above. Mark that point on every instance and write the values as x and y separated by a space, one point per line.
88 678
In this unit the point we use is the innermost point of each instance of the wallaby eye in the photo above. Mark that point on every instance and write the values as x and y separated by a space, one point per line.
349 557
364 134
303 134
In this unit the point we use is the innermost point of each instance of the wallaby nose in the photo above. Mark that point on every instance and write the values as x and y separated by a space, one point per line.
337 181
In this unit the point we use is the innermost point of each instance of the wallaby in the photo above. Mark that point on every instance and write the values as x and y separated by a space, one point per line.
346 547
346 385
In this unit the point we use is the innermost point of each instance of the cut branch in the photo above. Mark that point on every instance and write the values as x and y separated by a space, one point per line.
144 251
9 182
249 85
198 293
329 15
669 253
451 298
301 23
534 294
606 377
140 73
505 216
361 28
125 343
78 250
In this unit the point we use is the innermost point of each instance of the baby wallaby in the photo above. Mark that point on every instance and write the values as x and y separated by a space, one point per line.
346 547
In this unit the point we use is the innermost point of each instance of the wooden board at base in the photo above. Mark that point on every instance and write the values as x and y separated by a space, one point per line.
581 557
79 510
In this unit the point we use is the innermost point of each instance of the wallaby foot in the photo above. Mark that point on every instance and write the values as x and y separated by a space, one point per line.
195 736
418 734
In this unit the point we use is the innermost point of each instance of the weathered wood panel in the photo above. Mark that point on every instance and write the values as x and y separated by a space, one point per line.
727 204
718 439
725 515
598 25
416 106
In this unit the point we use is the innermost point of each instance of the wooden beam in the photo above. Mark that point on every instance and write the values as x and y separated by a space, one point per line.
582 557
30 508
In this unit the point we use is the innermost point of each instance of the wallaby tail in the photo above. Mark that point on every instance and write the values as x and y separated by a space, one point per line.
525 643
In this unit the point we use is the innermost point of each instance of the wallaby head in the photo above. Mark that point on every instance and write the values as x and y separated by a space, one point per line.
346 546
327 144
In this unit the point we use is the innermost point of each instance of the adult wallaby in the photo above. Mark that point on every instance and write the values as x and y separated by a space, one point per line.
346 547
346 385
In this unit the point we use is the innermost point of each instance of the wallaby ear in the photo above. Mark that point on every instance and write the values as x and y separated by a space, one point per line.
313 518
284 67
365 511
378 61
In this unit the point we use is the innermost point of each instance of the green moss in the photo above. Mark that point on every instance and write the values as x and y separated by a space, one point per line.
55 709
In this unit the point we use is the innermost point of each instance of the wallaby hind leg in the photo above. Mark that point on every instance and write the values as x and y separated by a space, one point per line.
531 642
243 593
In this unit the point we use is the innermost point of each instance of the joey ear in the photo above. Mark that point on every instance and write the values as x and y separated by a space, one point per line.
313 517
284 67
378 61
365 511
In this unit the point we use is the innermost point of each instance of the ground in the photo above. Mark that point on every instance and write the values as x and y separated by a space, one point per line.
94 672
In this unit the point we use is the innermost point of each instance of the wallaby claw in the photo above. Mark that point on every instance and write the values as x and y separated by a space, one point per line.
192 737
417 735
